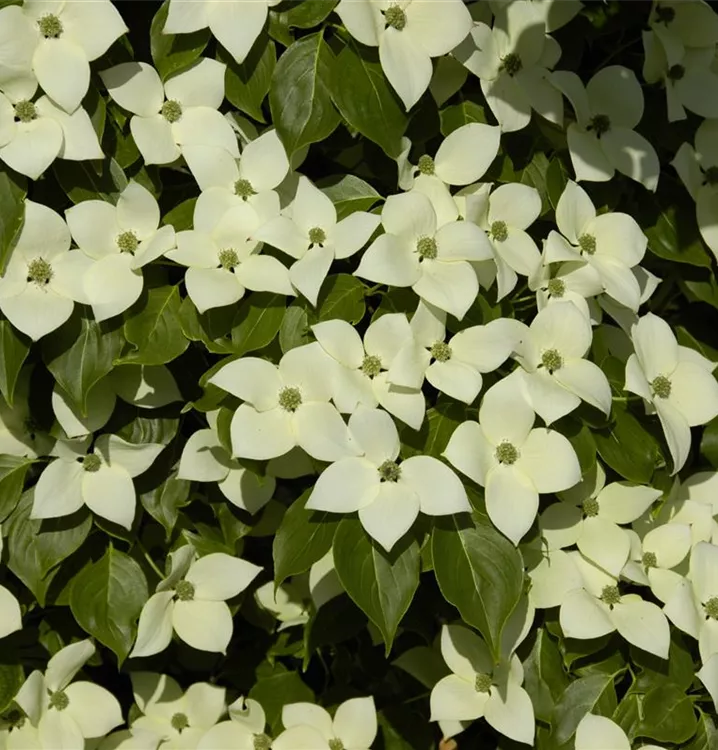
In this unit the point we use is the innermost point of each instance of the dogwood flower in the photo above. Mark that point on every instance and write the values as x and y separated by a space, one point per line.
204 459
408 33
222 258
477 688
600 733
512 460
433 260
353 727
314 237
192 602
573 282
172 717
181 112
610 243
387 494
120 240
676 381
73 712
101 479
285 406
235 24
18 41
684 24
41 284
244 730
603 139
288 603
360 375
512 61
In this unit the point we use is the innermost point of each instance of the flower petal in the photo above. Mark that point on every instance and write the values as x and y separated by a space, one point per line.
261 435
407 67
630 153
455 379
505 414
589 160
37 311
63 71
135 86
642 624
204 625
219 576
308 273
574 212
549 460
201 85
154 138
615 91
106 713
470 452
467 153
584 616
34 147
599 733
439 490
353 232
264 162
677 432
154 629
465 653
322 433
236 26
58 491
454 698
345 486
375 433
341 341
355 722
694 393
511 713
588 382
452 287
511 501
391 514
110 493
252 379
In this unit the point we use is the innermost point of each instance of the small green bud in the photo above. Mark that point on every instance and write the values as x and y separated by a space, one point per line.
25 111
426 165
179 721
552 360
511 64
228 259
91 462
556 287
59 700
127 242
243 189
610 595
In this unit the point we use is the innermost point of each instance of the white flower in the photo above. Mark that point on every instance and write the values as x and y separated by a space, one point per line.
353 727
575 282
173 718
477 688
235 24
244 730
408 33
10 614
182 112
361 376
677 381
118 241
288 603
102 479
18 41
693 24
514 462
388 494
603 138
286 406
42 278
314 237
71 711
512 60
599 733
431 259
204 459
191 601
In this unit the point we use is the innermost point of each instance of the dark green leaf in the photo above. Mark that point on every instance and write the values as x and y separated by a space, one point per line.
668 715
594 694
349 193
556 178
14 348
246 84
173 52
341 296
275 691
90 180
294 330
307 13
181 217
544 675
706 737
628 714
12 478
257 321
11 679
213 327
675 237
458 115
535 174
12 212
628 448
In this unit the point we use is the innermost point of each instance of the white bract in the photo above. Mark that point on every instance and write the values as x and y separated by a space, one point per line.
10 614
388 494
181 112
603 139
477 688
311 234
65 712
433 260
575 282
102 479
599 733
677 382
288 603
513 461
119 240
681 24
408 33
222 258
99 405
353 727
285 406
243 731
191 601
361 375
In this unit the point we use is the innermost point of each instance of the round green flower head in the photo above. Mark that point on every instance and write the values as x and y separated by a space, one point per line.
317 236
185 591
59 700
511 64
92 463
335 744
128 242
649 560
711 608
426 247
243 188
39 271
590 507
499 231
426 165
507 453
600 124
661 386
556 287
483 683
50 26
171 110
290 399
552 360
389 471
587 243
441 351
371 365
610 595
228 259
395 17
25 111
179 721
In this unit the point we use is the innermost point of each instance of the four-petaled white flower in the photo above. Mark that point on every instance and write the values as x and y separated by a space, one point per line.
600 733
388 494
243 731
513 461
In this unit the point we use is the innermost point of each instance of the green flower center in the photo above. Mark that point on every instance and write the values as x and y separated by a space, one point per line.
243 188
556 287
441 352
389 471
499 231
426 165
127 242
483 683
228 259
610 595
50 26
587 244
336 744
184 591
317 236
371 365
661 386
711 608
290 399
25 111
395 17
426 247
39 271
600 124
179 721
507 453
58 700
590 507
649 560
91 462
676 72
262 742
552 360
511 64
171 110
665 14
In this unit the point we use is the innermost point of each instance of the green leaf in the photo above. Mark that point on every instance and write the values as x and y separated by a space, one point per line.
181 217
480 572
458 115
13 189
294 330
106 599
544 675
535 175
675 237
308 13
14 348
247 83
90 180
595 694
381 584
164 502
366 101
341 296
173 52
12 479
677 668
557 176
628 714
581 438
303 538
706 737
11 679
300 99
277 690
213 327
81 352
152 326
628 448
257 321
349 193
709 442
668 715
